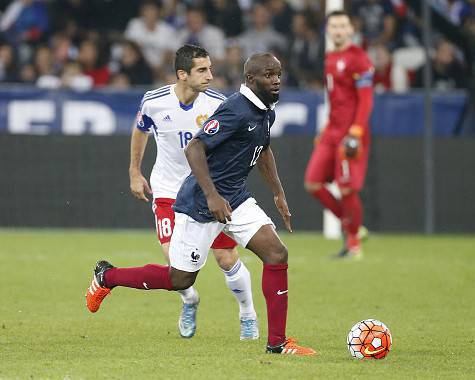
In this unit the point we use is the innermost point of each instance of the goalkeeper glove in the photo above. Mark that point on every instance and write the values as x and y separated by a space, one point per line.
351 144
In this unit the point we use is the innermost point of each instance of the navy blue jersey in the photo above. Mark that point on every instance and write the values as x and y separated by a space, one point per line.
234 136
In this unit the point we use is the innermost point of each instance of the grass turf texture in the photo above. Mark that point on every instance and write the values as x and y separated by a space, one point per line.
422 288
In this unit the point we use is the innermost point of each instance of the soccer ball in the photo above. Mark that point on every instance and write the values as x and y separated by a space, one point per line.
369 339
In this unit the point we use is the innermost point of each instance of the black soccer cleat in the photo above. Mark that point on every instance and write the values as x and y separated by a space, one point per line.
101 268
342 254
97 291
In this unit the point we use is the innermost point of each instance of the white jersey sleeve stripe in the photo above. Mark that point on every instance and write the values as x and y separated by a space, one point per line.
215 93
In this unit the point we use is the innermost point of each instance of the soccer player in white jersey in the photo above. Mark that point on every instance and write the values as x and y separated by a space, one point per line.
174 113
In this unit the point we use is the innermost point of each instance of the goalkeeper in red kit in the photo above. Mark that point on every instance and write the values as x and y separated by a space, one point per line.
341 151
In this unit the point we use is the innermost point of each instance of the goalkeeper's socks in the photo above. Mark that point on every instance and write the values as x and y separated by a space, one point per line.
352 212
151 276
328 201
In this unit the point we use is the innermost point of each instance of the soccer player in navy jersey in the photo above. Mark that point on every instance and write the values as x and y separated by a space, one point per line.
215 199
173 114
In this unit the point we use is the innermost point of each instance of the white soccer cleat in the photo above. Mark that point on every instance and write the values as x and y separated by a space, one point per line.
187 321
249 329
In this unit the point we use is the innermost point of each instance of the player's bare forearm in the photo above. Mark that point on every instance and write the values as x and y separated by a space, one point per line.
138 143
195 153
138 184
268 170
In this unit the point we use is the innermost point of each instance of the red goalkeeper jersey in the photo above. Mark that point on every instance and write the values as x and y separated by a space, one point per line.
349 81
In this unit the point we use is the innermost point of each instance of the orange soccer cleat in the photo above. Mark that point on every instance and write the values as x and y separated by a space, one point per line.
98 291
290 347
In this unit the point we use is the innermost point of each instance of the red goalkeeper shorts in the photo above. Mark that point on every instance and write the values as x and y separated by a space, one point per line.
326 164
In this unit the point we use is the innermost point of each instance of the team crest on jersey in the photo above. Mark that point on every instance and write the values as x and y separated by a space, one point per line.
200 120
139 119
211 127
340 65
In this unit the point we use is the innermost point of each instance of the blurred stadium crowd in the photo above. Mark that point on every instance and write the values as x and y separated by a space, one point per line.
82 44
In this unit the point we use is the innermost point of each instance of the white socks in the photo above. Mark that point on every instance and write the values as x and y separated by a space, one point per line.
238 280
189 295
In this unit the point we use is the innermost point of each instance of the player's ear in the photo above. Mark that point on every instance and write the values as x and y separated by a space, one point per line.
181 74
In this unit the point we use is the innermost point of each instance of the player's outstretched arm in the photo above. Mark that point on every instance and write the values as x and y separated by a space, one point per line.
138 184
268 169
195 153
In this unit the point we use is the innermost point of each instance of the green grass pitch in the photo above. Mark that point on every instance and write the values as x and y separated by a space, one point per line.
422 288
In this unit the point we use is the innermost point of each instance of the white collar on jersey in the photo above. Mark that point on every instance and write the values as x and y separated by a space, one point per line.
247 92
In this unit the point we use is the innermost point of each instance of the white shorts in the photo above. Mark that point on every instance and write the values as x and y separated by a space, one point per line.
191 240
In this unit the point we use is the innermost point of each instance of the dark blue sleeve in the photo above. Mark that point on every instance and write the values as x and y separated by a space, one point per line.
223 124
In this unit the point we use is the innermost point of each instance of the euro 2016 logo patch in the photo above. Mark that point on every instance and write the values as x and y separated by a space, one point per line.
211 127
139 120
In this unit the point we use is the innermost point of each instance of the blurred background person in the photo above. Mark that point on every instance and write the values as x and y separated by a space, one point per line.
226 15
25 21
46 75
198 32
8 64
375 20
281 14
261 36
305 53
228 75
382 61
133 66
93 60
447 72
156 38
73 77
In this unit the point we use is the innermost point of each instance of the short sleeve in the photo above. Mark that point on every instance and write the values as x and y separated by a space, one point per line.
363 71
143 121
223 124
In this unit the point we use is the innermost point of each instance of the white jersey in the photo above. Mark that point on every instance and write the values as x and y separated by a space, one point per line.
173 125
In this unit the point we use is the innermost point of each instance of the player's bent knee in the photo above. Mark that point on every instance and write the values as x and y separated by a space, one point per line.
279 255
226 258
182 280
311 187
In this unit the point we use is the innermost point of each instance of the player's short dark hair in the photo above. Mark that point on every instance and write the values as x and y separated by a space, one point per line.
184 57
337 13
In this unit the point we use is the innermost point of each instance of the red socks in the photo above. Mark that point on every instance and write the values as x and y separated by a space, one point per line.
329 201
151 276
352 212
275 289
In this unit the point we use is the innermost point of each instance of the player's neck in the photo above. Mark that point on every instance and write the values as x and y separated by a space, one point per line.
343 46
185 94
